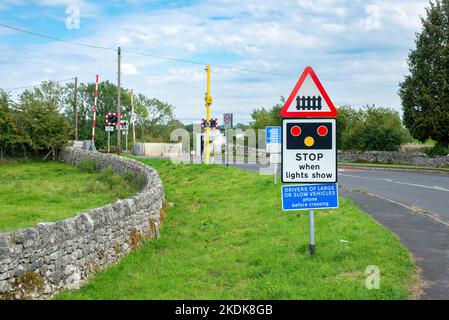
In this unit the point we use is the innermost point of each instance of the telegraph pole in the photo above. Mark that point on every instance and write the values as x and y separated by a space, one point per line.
75 108
118 99
92 144
208 100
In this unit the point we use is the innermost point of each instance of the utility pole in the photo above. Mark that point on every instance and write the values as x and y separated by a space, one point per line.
118 99
75 108
92 144
208 100
133 117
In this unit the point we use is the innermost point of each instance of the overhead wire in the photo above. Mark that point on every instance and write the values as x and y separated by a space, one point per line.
38 85
153 55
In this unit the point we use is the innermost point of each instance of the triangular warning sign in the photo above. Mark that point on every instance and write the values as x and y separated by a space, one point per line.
308 99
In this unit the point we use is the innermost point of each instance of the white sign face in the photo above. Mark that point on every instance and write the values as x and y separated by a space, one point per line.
109 128
309 151
275 158
309 98
274 148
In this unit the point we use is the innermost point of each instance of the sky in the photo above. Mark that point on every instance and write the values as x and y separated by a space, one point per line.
358 48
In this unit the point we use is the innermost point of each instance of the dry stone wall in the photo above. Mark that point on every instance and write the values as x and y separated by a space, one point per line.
36 263
386 157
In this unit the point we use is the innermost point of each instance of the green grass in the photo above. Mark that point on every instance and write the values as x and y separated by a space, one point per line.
225 237
33 192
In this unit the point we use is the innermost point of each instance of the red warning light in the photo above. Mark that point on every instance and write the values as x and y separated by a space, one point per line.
296 131
322 131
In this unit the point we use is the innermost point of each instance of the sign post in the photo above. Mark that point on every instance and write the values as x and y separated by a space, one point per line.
273 140
228 119
109 129
312 233
125 127
309 150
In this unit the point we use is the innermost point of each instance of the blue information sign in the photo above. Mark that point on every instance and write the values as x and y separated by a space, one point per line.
309 197
274 135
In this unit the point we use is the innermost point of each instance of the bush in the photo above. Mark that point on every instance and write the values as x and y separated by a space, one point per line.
140 182
437 150
88 166
110 178
33 126
129 176
370 129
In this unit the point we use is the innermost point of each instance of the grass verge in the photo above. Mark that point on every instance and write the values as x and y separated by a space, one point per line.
34 191
225 237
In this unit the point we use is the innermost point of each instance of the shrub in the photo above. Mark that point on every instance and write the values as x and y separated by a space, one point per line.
129 176
140 182
437 150
88 166
370 129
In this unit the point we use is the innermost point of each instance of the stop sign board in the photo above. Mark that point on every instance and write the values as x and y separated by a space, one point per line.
309 131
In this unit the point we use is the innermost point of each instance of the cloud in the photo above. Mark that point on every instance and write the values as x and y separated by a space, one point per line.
372 22
359 52
129 69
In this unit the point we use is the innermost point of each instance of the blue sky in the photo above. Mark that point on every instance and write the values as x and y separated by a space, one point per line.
358 48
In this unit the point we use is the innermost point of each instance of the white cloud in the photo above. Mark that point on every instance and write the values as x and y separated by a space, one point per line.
348 52
372 22
129 69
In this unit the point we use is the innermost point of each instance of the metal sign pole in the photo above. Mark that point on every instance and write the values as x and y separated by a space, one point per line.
227 147
275 173
312 232
109 141
126 144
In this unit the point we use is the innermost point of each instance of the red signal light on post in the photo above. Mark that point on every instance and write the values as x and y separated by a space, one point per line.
322 131
296 131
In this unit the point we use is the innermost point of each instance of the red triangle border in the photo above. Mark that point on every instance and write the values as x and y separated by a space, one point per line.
330 114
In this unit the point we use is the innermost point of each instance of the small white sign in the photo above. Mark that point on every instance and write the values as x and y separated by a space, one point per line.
274 148
109 128
275 158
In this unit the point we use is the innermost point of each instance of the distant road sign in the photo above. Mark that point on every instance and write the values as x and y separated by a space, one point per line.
124 125
109 128
228 119
273 140
273 134
309 197
309 151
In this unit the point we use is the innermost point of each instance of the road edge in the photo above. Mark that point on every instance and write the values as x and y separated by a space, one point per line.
391 168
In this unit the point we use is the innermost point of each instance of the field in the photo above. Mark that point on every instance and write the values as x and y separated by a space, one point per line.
33 192
225 237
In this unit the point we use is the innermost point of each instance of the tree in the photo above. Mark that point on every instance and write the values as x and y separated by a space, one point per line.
425 92
152 114
265 117
371 128
40 126
349 128
8 130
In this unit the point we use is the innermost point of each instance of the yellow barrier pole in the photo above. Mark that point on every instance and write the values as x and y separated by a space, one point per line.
208 100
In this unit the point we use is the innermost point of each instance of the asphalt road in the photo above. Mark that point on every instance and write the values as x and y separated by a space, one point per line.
428 192
422 192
